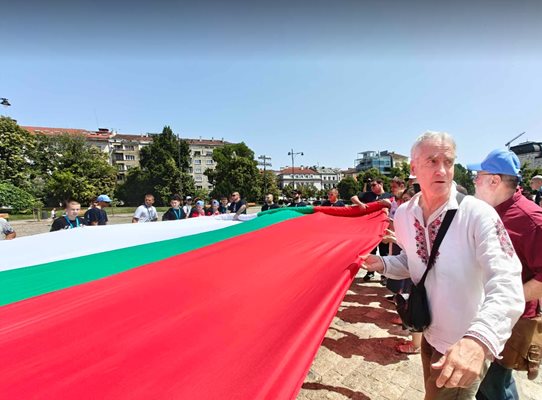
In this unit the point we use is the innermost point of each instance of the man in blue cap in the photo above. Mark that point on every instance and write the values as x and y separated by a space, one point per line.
97 214
496 183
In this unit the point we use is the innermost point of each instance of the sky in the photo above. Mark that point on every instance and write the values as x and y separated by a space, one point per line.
330 79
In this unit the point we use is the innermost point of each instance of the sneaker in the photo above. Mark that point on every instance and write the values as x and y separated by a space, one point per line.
368 276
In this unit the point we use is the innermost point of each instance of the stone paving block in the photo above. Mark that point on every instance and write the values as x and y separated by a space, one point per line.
355 380
392 392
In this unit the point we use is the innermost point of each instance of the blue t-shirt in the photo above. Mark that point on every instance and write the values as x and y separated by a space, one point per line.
96 214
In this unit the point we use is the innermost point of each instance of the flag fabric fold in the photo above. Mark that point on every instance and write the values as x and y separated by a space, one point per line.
240 318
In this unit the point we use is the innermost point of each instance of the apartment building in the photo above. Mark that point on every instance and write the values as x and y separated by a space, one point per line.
529 153
124 152
383 161
201 159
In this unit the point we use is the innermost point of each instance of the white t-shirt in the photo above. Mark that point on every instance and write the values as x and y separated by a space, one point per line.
5 227
145 214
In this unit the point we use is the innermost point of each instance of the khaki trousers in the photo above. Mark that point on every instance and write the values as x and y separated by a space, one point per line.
432 392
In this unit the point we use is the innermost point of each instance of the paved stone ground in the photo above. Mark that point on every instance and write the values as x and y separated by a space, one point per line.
357 359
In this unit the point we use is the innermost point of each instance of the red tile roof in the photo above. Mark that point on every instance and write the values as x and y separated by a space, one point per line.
206 142
60 131
298 170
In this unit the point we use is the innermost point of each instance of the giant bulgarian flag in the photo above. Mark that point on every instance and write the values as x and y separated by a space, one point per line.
205 308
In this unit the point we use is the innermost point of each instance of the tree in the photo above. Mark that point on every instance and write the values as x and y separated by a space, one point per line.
236 171
15 198
348 187
16 153
463 177
66 166
163 171
269 184
402 171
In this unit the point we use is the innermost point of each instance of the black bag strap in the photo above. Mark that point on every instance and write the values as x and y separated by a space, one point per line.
450 214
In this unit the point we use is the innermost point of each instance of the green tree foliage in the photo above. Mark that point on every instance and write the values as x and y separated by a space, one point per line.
348 187
66 166
163 171
463 177
236 171
16 153
19 200
402 171
269 184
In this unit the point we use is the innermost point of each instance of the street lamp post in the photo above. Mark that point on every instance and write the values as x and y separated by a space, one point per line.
293 154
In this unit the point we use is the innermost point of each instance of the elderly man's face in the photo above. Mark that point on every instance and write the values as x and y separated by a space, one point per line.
483 187
434 169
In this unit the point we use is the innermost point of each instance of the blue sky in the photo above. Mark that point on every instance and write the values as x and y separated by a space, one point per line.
328 78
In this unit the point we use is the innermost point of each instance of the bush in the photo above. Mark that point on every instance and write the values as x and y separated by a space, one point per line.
15 198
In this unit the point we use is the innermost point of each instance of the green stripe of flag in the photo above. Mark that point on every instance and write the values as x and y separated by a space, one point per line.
22 283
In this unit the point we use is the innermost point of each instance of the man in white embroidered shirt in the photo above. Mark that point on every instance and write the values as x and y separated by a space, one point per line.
474 289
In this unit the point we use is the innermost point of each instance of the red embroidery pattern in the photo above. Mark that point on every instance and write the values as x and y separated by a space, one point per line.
421 246
504 239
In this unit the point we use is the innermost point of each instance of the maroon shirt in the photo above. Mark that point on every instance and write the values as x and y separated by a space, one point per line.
523 220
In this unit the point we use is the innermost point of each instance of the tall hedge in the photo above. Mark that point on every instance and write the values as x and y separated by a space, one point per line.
19 200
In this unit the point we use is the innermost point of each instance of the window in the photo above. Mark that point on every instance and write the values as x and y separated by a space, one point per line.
209 154
118 157
197 153
199 178
209 162
197 162
130 157
197 170
120 167
130 147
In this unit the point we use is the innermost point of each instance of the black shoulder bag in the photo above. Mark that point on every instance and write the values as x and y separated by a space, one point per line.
414 311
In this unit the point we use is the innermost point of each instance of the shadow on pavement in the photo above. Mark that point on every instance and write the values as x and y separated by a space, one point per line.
379 350
341 390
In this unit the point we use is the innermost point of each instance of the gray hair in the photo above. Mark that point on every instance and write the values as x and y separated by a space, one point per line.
431 136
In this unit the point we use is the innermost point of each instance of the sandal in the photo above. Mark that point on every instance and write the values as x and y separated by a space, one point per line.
407 348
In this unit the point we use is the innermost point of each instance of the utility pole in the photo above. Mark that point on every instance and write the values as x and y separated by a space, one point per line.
291 153
265 164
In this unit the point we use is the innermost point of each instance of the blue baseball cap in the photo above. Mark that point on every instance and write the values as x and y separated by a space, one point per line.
500 161
103 197
199 203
